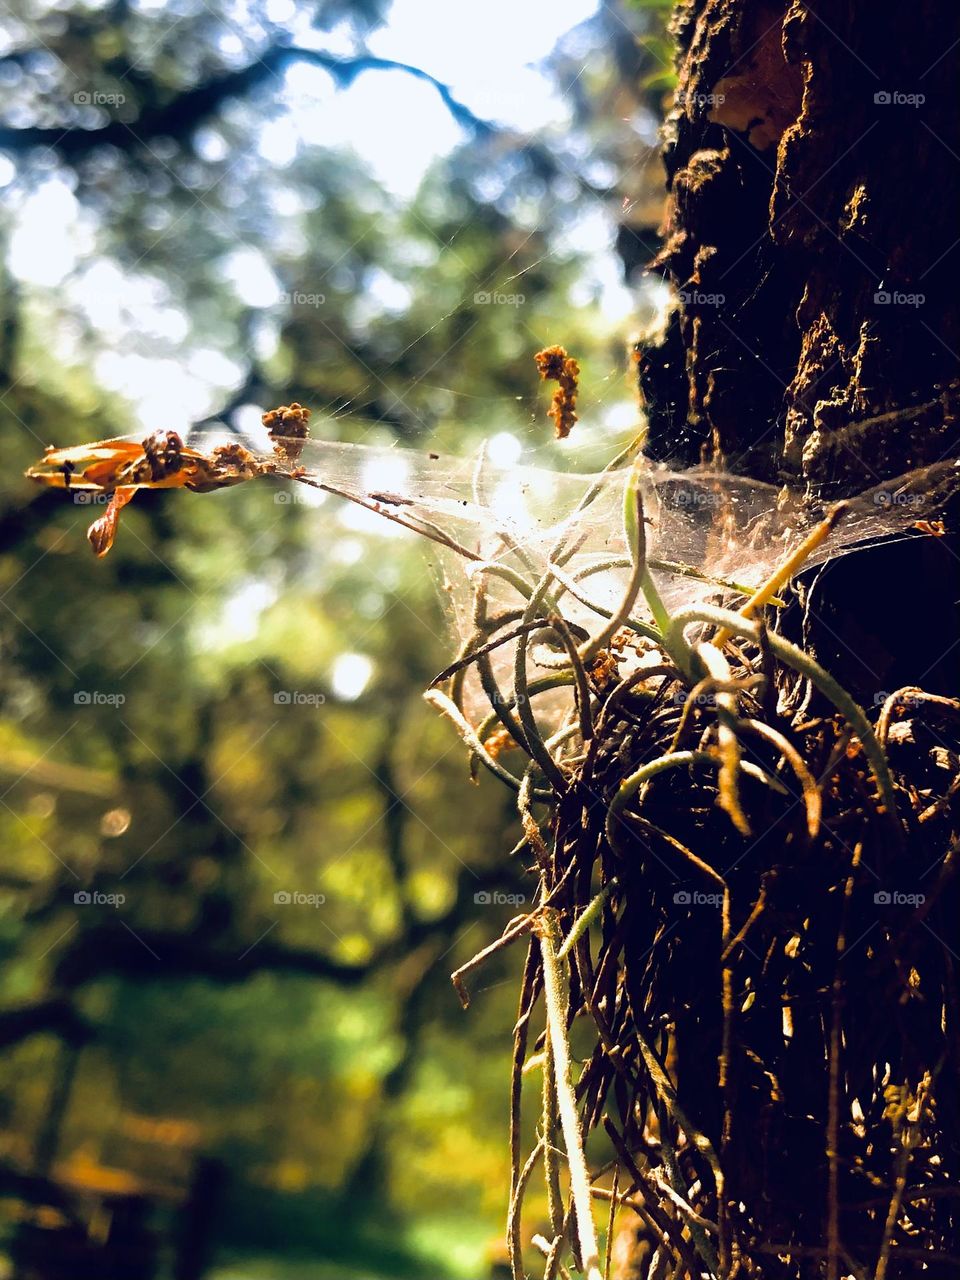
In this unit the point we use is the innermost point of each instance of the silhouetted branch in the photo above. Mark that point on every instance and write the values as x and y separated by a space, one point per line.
168 955
138 953
55 1015
181 115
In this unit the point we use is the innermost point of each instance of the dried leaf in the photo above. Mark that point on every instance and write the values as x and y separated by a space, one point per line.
103 531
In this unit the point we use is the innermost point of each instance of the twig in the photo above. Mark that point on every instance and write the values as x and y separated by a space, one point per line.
551 1251
611 1223
529 990
513 1213
536 624
637 544
551 1162
510 935
686 1209
581 683
556 1003
833 1089
425 528
787 570
584 920
800 661
632 784
667 1096
727 741
531 730
453 713
570 585
812 799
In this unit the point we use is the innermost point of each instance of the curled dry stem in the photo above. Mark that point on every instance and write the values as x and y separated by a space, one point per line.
447 707
581 683
631 785
728 743
790 655
812 799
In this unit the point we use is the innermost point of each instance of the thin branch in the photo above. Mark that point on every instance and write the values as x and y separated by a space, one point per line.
179 117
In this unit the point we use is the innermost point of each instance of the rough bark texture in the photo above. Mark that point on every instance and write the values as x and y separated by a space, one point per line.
813 163
813 204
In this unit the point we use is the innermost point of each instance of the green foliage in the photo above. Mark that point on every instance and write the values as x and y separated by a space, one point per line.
143 749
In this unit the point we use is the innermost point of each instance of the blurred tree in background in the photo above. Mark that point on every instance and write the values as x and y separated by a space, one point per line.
188 236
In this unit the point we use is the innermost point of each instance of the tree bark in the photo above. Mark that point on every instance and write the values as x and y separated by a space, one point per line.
813 161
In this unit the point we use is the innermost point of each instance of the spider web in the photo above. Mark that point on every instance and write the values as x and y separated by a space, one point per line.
709 534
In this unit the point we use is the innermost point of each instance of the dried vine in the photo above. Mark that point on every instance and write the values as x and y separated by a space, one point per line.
756 904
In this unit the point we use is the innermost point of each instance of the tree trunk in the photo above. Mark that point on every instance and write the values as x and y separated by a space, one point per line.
814 172
813 165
